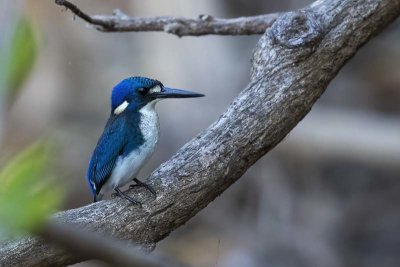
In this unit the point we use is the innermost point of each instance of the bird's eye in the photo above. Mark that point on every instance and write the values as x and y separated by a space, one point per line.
142 90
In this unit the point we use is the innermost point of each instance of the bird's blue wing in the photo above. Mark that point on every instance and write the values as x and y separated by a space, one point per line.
109 147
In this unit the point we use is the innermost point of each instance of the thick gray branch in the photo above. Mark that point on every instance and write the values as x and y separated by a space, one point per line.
293 63
179 26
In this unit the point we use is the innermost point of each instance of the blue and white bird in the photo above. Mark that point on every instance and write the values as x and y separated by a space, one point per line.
130 135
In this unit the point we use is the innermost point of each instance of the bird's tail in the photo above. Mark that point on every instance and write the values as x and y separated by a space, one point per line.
98 197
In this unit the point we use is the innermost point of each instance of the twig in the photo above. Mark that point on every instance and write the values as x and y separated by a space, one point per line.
179 26
81 14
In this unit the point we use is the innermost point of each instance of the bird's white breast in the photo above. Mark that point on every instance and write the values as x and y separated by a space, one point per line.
127 167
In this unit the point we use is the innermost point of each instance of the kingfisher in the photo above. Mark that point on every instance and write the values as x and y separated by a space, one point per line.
129 137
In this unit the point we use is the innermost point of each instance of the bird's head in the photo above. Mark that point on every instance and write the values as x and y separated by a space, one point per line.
136 92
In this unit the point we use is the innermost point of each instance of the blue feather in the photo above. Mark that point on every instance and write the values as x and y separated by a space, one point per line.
120 137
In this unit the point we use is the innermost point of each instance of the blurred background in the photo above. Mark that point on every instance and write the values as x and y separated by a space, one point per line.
328 195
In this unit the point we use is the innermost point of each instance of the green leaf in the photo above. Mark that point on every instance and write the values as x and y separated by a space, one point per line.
28 195
22 52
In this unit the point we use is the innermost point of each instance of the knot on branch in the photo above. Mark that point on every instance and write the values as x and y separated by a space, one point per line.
177 28
205 17
120 15
297 29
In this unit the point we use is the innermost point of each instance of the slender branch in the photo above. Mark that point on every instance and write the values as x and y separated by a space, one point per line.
292 65
202 25
77 11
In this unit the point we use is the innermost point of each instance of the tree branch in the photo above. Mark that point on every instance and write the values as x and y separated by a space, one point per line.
292 65
93 246
203 25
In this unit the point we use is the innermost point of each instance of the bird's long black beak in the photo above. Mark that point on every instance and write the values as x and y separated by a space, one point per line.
167 92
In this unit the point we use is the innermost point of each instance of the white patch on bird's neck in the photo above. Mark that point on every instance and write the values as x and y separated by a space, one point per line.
149 107
149 122
150 128
118 110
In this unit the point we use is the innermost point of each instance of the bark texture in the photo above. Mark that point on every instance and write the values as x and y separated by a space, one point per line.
292 65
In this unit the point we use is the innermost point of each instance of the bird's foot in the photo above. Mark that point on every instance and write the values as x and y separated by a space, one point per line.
142 184
119 193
